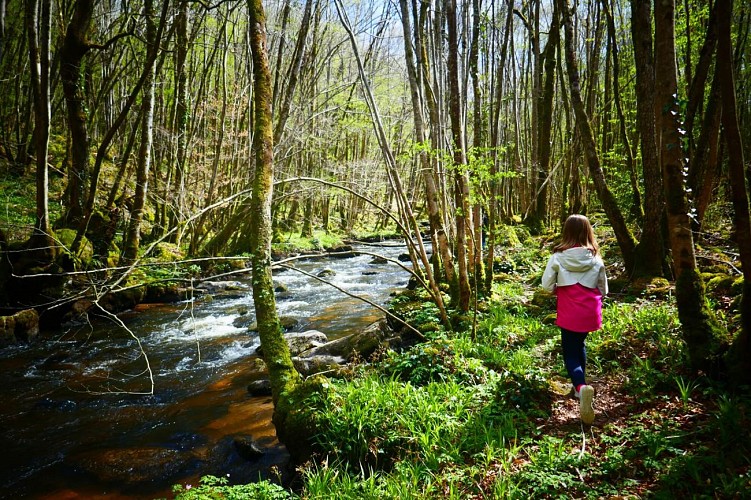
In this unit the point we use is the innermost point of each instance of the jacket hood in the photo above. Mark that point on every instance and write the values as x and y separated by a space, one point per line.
577 259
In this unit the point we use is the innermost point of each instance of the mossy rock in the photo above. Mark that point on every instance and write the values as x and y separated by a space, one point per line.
83 258
22 326
737 286
507 236
168 252
720 283
652 287
522 234
123 300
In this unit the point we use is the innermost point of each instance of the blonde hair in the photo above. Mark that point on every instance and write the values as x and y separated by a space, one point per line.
577 232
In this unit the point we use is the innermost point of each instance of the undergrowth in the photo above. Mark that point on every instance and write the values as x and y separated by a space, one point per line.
485 415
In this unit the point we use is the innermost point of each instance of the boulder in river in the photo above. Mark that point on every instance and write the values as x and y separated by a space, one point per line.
247 447
287 322
326 273
300 342
22 326
341 252
362 344
260 388
221 286
317 364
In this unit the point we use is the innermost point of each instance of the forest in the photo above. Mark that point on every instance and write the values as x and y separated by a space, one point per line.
148 147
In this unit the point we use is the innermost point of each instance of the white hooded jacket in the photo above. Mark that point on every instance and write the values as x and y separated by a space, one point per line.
575 265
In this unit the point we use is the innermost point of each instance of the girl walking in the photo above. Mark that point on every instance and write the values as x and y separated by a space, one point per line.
576 274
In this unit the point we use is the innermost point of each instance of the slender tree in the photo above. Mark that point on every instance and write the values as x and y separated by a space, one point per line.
623 235
38 29
461 179
133 233
284 378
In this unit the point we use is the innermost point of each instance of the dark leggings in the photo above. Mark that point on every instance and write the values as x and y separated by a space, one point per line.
574 355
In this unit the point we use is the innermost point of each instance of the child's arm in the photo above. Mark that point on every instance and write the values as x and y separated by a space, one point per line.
550 276
602 281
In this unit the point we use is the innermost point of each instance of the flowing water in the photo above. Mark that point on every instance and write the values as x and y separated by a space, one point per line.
72 421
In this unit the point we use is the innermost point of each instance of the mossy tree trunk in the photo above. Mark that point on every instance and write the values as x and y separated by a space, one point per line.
284 378
739 359
697 320
75 48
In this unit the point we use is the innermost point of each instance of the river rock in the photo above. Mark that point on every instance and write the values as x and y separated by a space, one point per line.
287 322
131 466
362 344
221 286
404 257
260 388
247 447
326 273
300 342
317 364
341 252
159 293
280 287
22 326
378 260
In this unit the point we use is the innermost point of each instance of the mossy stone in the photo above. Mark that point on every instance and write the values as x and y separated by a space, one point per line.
83 258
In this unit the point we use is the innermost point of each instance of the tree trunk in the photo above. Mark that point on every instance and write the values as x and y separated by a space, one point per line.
181 119
696 318
38 30
626 241
133 233
75 48
294 72
702 174
636 203
3 5
739 357
649 255
461 183
545 118
284 378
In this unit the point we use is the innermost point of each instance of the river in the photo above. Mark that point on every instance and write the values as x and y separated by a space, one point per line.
76 424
